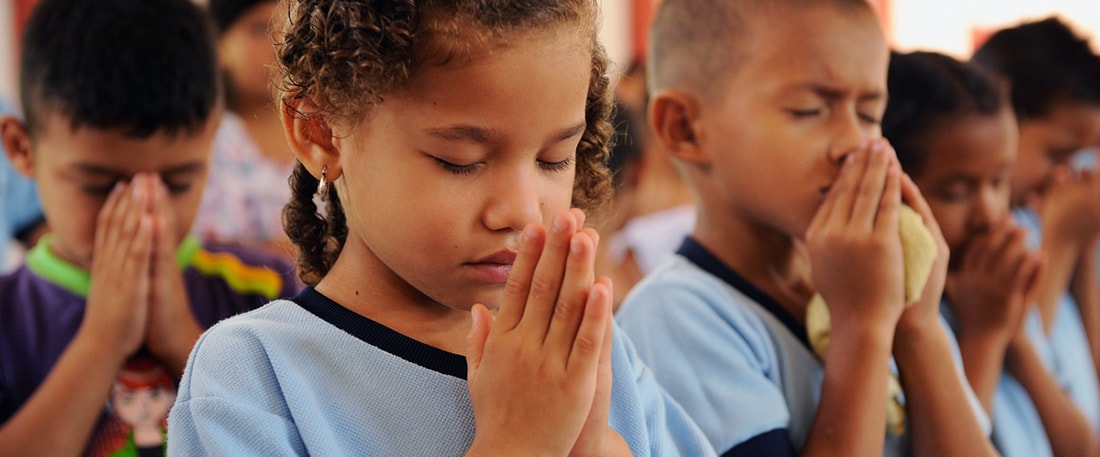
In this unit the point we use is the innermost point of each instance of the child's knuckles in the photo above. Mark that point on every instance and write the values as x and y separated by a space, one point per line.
542 289
566 310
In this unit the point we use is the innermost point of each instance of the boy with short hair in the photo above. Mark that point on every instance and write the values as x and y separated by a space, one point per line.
772 110
121 102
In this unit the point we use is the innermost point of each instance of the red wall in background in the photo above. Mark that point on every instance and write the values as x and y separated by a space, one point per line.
22 11
642 13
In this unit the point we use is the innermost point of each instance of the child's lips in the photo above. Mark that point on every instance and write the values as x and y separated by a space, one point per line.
493 268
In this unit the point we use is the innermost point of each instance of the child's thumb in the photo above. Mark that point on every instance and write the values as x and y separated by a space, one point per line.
480 322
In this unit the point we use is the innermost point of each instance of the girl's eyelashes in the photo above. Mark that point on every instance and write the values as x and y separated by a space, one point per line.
456 168
561 165
558 166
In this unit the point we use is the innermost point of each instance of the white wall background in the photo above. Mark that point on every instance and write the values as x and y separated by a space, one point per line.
945 25
7 51
615 35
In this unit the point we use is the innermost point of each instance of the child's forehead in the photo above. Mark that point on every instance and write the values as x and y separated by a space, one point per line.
119 148
845 56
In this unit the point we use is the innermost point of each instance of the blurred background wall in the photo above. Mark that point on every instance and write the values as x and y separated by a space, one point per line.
951 26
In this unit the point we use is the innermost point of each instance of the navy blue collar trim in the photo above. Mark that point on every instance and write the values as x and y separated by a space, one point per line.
380 336
699 255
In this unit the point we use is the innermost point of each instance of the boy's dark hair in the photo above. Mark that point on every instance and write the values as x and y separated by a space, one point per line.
346 56
140 66
1046 64
695 44
928 90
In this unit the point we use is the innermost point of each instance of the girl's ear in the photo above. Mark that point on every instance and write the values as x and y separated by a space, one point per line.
674 117
310 137
17 145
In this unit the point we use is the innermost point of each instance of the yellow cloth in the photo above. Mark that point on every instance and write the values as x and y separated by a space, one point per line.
919 251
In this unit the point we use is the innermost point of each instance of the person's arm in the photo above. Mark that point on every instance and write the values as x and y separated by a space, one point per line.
934 390
1086 292
1066 427
1059 257
856 259
58 418
988 291
1069 215
941 422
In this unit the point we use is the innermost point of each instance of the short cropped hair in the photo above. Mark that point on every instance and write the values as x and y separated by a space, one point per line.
693 44
139 66
1046 63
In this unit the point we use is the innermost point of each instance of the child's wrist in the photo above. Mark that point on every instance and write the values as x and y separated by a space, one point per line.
847 336
915 338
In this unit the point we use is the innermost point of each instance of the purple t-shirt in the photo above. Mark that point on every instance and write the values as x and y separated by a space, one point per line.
42 306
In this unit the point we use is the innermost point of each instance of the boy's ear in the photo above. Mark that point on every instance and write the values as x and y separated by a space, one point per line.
17 145
674 117
310 137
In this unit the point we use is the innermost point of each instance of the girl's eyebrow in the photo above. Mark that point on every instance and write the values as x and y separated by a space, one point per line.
475 134
464 132
570 132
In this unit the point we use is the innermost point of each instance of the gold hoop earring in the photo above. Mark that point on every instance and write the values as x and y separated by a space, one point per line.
322 187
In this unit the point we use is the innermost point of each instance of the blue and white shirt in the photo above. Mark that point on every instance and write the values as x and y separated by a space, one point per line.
738 362
1069 357
310 377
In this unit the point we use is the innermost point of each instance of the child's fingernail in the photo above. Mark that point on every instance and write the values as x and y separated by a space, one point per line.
575 245
559 224
528 233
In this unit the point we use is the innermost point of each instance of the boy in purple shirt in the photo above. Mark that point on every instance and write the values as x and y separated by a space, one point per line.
121 102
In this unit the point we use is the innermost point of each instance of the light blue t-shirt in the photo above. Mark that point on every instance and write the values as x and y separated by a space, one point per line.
1069 357
310 377
1017 427
19 206
731 355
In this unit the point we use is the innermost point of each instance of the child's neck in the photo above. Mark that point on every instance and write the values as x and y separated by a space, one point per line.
772 261
362 283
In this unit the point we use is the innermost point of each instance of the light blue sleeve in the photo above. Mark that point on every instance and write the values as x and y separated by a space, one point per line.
650 421
1073 365
716 364
984 420
230 406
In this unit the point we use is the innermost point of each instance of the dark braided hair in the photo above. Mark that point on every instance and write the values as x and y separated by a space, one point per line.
345 56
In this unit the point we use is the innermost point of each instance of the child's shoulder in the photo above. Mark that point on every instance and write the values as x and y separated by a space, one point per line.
246 270
695 290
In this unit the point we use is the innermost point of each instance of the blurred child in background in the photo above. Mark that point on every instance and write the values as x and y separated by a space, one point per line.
121 101
1055 82
954 130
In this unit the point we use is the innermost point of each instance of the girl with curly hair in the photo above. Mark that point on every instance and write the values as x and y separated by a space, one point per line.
447 151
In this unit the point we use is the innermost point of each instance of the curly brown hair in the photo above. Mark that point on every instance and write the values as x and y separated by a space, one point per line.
345 56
